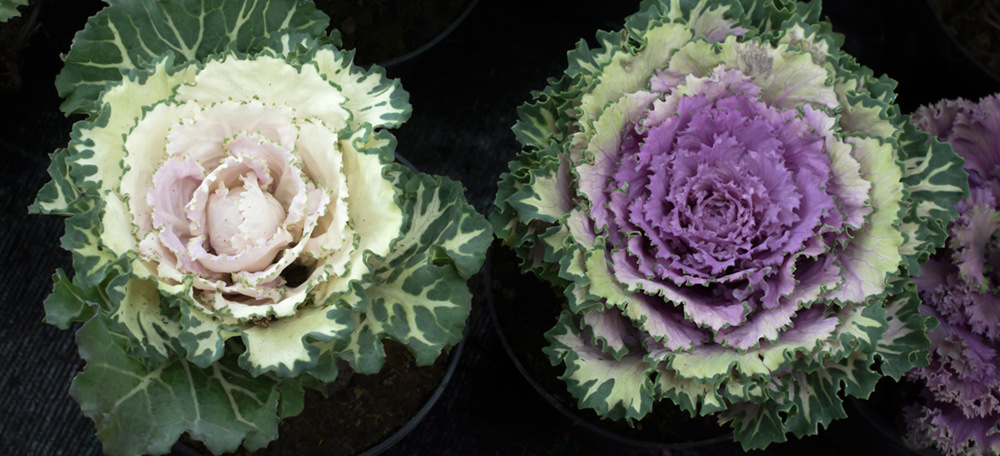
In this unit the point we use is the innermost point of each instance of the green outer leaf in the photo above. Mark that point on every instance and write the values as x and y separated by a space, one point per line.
221 405
8 9
130 34
90 260
69 302
60 195
286 347
364 350
696 397
544 197
811 400
136 305
202 337
814 395
934 176
904 344
420 297
518 230
615 388
372 98
546 121
755 426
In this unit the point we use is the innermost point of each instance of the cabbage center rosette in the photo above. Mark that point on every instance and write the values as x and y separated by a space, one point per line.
718 189
257 206
734 209
235 207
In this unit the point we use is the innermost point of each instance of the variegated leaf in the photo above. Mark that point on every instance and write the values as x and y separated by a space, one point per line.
419 295
221 406
134 33
614 388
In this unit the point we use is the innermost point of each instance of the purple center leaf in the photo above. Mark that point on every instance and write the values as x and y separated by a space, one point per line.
718 194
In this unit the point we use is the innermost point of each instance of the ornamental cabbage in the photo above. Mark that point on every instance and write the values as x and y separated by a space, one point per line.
238 224
960 286
734 209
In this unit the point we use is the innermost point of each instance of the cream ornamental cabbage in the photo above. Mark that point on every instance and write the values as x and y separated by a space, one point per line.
734 209
238 223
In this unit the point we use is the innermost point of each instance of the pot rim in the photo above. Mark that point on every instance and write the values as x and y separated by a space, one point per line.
954 40
433 41
887 434
565 411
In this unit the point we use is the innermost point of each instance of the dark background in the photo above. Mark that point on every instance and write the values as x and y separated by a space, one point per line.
464 93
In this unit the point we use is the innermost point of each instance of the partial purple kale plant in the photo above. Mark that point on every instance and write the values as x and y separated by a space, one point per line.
733 209
960 286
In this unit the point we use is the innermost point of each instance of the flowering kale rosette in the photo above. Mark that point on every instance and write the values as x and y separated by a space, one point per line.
960 286
238 223
734 209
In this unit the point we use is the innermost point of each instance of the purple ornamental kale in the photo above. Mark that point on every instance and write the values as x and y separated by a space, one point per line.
733 209
719 189
960 286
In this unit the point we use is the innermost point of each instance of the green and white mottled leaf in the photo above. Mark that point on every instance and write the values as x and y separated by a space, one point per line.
419 295
546 120
615 388
221 406
285 346
865 102
755 426
813 396
545 196
695 397
60 196
904 344
372 98
364 350
202 337
82 237
936 181
131 34
137 307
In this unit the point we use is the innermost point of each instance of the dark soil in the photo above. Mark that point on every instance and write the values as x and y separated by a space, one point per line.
975 24
356 412
382 30
525 308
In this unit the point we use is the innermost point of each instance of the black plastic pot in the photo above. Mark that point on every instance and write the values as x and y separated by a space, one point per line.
371 46
401 60
906 41
982 72
879 419
185 448
522 308
454 356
